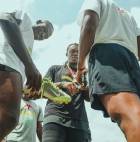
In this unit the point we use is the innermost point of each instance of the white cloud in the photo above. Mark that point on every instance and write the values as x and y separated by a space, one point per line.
8 6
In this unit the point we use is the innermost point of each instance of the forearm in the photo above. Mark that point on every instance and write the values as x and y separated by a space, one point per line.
85 94
13 36
87 35
138 40
40 136
86 41
39 133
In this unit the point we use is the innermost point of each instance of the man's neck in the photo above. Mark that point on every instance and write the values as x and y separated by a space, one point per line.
73 66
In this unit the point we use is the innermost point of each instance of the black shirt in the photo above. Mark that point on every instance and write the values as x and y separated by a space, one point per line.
70 115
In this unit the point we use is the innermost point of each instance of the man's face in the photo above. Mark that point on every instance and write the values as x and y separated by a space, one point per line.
73 54
42 31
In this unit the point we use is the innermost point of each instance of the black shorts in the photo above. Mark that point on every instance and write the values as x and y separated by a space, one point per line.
112 69
6 68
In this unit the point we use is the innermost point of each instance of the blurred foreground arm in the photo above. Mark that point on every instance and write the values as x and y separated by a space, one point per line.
39 124
14 38
138 39
39 130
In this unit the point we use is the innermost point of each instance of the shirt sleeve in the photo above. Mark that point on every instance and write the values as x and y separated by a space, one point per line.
40 115
51 73
94 5
137 28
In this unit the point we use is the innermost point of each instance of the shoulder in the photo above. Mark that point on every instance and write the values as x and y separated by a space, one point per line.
56 67
14 16
26 22
53 69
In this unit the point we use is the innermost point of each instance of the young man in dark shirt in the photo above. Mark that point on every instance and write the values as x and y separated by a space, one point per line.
66 123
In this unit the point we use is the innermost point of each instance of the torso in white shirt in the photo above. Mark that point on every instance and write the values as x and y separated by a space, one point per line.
7 54
116 25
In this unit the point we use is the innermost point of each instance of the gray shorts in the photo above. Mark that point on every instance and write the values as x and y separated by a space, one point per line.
53 132
112 69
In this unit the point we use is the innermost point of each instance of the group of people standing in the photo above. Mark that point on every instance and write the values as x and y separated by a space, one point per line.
110 36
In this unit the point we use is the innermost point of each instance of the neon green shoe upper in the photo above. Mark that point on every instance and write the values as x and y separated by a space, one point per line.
53 93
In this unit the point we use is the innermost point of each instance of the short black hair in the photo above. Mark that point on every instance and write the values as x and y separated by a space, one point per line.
49 27
44 21
68 47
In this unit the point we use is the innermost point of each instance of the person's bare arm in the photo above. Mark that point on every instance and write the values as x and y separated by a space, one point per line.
85 93
138 39
87 34
88 29
39 130
13 36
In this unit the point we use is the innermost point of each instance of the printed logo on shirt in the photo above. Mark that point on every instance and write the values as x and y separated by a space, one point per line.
28 111
28 106
121 11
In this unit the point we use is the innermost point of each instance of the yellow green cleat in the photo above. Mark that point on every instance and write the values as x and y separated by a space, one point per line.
52 92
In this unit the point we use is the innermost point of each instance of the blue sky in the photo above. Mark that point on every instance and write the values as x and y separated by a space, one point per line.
63 13
58 11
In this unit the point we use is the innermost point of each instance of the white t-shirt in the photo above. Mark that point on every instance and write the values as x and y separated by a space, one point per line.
30 114
7 54
116 25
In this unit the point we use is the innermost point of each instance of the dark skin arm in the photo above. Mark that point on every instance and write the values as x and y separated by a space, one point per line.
138 39
39 131
87 34
85 93
13 35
